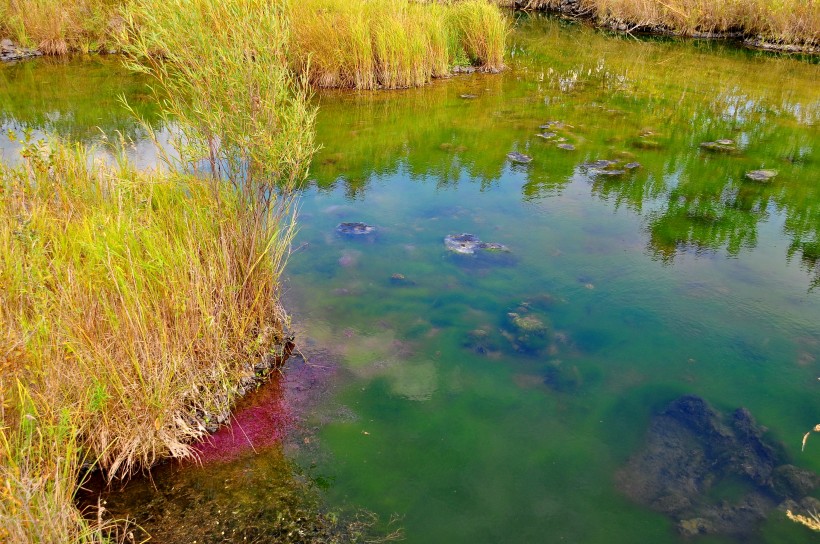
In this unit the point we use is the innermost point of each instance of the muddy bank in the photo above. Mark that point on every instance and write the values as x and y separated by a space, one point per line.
576 10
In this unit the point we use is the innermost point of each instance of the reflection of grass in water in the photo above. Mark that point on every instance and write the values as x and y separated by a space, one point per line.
691 200
52 95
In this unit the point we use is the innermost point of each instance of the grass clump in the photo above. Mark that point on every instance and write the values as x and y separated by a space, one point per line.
136 301
56 27
368 44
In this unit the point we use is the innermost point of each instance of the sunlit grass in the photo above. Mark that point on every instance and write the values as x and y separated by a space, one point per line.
57 27
368 44
781 21
136 301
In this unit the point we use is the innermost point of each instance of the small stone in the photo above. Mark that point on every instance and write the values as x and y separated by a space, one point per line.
519 158
603 172
763 176
400 279
547 135
726 146
601 163
468 96
7 45
468 244
355 228
568 147
646 143
632 165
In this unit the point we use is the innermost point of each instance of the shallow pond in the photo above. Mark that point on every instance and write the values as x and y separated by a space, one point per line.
495 396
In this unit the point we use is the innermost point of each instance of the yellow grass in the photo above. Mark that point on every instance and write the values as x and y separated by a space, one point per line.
128 316
790 21
781 21
57 27
368 44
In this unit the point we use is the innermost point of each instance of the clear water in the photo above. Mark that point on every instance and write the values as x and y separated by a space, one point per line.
681 276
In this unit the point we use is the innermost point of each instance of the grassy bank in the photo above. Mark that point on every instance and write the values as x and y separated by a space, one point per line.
137 301
363 44
795 22
126 315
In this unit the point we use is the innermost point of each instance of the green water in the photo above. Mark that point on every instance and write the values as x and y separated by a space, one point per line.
681 276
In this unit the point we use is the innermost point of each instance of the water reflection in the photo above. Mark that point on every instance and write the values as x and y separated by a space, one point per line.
652 103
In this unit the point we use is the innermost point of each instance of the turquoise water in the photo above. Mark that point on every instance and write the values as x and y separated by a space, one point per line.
679 277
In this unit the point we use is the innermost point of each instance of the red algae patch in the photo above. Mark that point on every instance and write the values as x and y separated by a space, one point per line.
261 420
268 416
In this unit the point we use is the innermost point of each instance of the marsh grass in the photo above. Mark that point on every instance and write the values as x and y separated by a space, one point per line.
368 44
136 301
779 21
787 21
128 312
56 27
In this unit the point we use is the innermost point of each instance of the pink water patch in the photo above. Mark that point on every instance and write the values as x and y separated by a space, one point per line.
260 420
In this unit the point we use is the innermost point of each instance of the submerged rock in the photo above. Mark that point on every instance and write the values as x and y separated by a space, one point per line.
401 280
691 451
607 172
720 146
526 330
355 229
632 165
601 163
562 377
481 341
646 143
762 176
519 158
554 125
468 244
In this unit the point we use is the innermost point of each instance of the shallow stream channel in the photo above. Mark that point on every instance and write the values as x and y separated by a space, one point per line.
643 261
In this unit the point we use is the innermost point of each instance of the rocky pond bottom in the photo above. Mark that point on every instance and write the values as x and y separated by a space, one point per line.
531 304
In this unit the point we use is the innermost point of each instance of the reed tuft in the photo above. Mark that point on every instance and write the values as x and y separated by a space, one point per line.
368 44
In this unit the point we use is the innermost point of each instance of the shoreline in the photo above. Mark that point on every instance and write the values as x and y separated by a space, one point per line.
571 9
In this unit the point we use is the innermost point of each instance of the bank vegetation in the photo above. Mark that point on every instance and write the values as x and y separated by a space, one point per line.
366 34
762 22
132 303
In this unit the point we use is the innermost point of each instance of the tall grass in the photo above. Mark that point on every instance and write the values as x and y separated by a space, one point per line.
368 44
56 27
781 21
135 301
788 21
